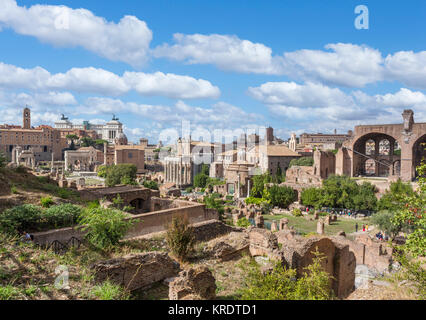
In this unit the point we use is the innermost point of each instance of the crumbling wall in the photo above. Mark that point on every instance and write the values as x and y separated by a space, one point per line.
136 271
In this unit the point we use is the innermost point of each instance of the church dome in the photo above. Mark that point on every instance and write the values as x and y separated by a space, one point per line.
121 139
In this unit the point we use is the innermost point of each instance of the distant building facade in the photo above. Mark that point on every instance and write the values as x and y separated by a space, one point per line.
43 141
107 132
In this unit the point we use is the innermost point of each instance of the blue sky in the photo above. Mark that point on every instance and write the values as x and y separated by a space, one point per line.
295 65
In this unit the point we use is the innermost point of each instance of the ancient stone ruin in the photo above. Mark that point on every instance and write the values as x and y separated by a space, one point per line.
298 253
193 284
136 271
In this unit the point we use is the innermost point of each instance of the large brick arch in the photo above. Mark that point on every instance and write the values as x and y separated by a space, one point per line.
409 136
383 163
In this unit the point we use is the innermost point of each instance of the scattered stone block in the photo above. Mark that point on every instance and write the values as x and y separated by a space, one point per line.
193 284
136 271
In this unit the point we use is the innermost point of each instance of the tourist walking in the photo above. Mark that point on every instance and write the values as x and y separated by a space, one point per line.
356 227
363 227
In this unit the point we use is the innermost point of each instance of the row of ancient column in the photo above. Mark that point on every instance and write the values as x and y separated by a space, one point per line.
178 173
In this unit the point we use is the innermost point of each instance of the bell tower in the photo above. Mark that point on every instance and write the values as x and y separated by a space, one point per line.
26 119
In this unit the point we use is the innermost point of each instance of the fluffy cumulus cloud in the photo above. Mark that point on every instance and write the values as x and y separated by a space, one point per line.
408 67
170 85
225 51
344 64
310 101
127 41
100 81
341 64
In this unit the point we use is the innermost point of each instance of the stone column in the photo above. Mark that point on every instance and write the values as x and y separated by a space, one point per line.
248 188
238 187
14 156
320 227
52 163
105 153
185 174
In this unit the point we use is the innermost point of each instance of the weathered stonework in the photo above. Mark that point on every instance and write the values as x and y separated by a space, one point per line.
193 284
136 271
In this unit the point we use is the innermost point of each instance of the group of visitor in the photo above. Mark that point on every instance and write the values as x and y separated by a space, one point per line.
381 237
364 227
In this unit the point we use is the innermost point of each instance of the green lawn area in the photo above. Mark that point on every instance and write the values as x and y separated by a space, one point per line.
305 226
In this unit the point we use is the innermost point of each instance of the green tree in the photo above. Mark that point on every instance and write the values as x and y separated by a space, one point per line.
205 169
281 197
413 215
259 182
73 138
87 142
383 220
200 180
393 198
120 174
311 197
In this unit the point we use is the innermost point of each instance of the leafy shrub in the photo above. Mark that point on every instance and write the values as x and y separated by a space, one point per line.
302 162
281 283
118 174
105 227
93 204
61 216
150 185
256 201
180 237
20 218
243 223
102 171
189 190
32 218
297 212
46 202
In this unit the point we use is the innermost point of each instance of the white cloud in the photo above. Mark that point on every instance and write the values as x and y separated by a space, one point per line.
296 95
341 64
93 80
225 51
170 85
317 103
127 41
346 65
407 67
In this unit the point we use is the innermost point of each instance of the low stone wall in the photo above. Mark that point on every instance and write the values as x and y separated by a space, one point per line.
62 235
208 230
148 223
157 221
